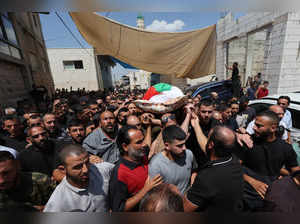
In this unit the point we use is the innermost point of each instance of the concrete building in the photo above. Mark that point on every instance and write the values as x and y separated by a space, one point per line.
75 68
23 57
261 42
139 79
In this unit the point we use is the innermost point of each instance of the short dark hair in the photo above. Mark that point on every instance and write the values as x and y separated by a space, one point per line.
74 123
271 115
123 137
74 149
92 101
164 196
10 118
221 147
173 132
266 82
285 98
206 102
5 155
222 107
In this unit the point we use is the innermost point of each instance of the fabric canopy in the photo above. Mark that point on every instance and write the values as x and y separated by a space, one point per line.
184 54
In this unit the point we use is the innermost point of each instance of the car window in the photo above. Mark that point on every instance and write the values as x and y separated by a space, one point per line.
295 115
217 89
260 107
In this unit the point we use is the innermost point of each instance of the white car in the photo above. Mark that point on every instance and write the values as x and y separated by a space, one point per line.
294 107
263 104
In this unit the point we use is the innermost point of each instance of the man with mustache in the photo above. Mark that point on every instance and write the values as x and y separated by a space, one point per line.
101 142
85 186
129 181
175 163
39 157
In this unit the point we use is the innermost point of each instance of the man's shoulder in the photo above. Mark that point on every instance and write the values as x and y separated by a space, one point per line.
96 134
40 178
103 166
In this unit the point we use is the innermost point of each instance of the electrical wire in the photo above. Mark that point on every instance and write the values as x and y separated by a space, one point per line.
70 31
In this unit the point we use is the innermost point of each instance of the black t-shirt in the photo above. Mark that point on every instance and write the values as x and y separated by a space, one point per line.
36 160
267 158
219 186
193 145
15 143
235 74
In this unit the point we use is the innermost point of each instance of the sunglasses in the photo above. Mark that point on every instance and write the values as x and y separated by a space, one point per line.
166 119
41 134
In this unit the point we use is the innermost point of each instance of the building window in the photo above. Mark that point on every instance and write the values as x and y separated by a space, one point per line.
71 65
8 39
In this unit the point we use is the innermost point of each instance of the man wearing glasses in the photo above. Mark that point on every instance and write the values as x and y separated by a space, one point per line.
39 157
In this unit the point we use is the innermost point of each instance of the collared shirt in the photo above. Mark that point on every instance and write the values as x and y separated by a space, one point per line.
287 119
127 179
67 198
97 143
218 186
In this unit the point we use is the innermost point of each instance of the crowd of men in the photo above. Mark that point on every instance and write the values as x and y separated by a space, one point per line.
98 152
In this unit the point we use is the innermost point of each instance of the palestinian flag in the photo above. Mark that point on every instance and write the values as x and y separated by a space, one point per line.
162 92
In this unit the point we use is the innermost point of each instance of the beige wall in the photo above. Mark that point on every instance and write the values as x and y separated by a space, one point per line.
76 78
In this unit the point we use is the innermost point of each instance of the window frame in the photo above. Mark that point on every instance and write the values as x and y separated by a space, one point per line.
64 62
4 37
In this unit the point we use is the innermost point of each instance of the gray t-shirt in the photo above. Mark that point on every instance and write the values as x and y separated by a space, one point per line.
177 172
97 143
67 198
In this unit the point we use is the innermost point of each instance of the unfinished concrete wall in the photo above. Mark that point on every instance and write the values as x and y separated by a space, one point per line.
279 50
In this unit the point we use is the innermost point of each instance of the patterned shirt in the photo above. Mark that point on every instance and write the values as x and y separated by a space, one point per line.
32 189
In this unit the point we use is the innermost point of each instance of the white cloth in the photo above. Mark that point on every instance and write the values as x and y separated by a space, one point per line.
67 198
250 130
287 119
10 150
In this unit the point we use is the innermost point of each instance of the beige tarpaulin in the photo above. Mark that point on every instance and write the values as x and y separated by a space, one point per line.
185 54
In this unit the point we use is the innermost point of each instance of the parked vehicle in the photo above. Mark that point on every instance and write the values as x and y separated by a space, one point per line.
223 88
263 104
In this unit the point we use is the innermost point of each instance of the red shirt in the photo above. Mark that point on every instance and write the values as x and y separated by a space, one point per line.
262 92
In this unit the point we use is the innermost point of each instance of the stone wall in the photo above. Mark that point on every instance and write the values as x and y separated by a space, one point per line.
18 74
276 57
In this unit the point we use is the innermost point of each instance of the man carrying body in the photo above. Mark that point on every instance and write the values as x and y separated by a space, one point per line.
129 181
219 185
206 123
101 142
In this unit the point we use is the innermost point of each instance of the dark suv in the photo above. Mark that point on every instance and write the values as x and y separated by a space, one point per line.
223 88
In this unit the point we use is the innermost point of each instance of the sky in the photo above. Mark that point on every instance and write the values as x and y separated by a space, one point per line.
57 36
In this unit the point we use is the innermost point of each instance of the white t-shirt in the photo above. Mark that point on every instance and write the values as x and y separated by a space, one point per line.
287 119
67 198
